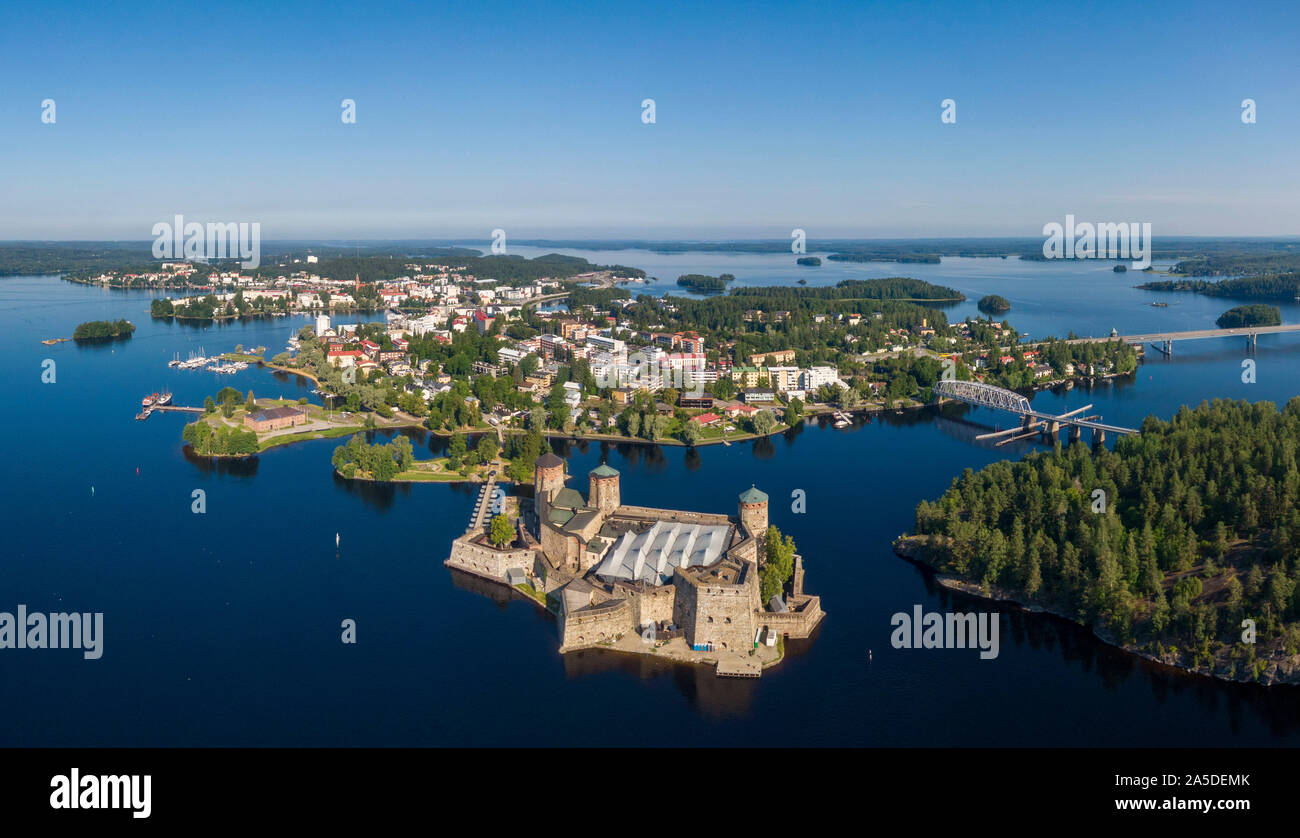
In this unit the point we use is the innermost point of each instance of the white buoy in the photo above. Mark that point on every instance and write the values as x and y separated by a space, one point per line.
336 539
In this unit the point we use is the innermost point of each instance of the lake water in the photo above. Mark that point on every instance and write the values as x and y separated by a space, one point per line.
224 628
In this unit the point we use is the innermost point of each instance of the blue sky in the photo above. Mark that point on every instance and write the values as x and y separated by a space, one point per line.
770 116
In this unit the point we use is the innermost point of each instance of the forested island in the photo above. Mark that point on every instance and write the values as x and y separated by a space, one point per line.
705 284
1252 315
1274 287
809 261
1163 546
993 304
1273 261
98 330
892 288
904 258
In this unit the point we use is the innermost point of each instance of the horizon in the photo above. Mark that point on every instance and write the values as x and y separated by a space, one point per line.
533 241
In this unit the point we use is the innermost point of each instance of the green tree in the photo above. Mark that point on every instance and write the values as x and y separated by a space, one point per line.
779 566
500 533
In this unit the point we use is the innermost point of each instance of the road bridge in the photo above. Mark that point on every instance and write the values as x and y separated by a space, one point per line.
1033 421
1164 341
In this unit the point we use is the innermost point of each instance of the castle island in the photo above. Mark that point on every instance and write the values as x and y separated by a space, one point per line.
678 585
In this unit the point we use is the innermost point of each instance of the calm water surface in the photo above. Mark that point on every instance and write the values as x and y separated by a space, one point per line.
223 628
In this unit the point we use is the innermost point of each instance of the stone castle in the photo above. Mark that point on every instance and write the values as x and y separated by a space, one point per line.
614 571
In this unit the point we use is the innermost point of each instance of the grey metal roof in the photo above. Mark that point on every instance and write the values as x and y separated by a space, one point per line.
652 556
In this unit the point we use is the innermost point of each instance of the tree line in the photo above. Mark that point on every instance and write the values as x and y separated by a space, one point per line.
1170 541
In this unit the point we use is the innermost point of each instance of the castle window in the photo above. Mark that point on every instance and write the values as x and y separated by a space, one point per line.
728 619
710 619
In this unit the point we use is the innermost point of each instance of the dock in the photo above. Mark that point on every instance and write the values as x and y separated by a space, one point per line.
738 666
176 408
151 409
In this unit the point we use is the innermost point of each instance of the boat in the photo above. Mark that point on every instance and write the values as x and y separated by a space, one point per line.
148 400
164 398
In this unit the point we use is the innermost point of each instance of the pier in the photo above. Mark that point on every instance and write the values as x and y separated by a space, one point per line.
144 414
481 506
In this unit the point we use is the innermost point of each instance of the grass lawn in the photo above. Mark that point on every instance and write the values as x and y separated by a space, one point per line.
327 433
532 593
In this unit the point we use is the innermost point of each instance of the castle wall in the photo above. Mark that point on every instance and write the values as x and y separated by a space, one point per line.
559 547
653 604
746 550
477 558
647 513
718 614
586 628
793 623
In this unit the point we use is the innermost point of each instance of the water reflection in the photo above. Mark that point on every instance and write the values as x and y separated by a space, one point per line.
703 690
235 466
1277 706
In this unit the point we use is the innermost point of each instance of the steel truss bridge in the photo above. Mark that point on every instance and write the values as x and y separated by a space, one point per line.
1033 421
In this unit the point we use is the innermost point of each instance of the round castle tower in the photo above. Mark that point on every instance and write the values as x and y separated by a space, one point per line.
604 489
753 512
548 479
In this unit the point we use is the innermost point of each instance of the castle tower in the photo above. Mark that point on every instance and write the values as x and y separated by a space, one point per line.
548 479
604 489
753 512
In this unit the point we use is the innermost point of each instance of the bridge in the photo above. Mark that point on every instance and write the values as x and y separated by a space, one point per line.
1033 421
1165 340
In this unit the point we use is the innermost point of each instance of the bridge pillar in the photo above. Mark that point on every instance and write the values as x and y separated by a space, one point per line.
1052 429
1251 340
1098 437
1075 434
1169 349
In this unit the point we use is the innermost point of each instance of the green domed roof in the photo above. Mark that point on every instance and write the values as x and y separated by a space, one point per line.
752 495
604 470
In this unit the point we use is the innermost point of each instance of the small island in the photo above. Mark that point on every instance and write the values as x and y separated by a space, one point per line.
809 261
1251 315
238 425
705 284
1121 268
993 304
693 587
103 330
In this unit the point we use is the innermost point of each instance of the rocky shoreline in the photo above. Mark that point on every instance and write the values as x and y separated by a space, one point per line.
1279 669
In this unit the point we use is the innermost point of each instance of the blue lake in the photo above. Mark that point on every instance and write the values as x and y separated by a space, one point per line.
224 628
